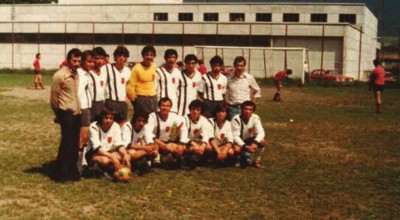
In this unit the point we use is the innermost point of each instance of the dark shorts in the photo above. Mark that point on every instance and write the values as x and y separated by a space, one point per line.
120 108
86 115
145 104
96 109
377 88
36 72
209 108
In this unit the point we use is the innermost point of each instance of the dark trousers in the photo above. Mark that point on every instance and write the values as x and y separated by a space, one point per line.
145 104
66 164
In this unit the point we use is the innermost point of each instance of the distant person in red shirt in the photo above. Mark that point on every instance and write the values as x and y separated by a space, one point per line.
36 71
278 77
202 69
376 83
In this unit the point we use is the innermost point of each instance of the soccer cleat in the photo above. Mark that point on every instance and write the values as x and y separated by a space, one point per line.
257 164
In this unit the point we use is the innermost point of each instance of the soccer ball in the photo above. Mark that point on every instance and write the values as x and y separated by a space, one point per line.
124 174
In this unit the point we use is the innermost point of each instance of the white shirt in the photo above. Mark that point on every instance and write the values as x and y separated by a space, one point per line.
201 130
167 84
131 136
241 131
162 129
213 89
115 82
241 89
84 96
187 91
222 135
106 140
97 86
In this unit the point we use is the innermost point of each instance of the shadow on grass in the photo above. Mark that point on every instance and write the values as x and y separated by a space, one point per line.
47 169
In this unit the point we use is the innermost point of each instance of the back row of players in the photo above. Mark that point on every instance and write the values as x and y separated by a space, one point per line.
165 99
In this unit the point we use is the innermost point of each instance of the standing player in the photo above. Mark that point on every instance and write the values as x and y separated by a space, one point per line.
97 83
105 146
117 76
139 142
241 86
36 70
213 87
141 88
222 143
249 134
167 78
376 83
161 124
65 104
188 84
278 77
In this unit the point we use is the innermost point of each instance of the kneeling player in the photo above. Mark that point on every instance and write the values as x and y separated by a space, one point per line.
105 143
249 134
222 143
161 123
199 131
139 143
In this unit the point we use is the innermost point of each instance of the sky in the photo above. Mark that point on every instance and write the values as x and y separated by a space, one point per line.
387 11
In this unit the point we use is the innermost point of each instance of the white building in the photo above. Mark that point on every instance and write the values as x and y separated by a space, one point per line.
333 35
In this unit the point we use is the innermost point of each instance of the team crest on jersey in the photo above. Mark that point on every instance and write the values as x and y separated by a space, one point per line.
167 129
193 84
219 86
196 131
122 80
138 140
101 83
173 80
109 139
250 130
222 136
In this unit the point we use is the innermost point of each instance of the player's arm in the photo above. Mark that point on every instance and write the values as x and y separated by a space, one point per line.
259 130
255 88
130 85
55 91
121 149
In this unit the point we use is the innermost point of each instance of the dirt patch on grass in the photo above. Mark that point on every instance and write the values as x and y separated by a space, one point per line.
28 93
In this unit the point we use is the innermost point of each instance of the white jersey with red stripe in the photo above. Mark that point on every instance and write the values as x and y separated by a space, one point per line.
167 84
222 135
187 91
116 81
241 130
84 95
162 129
213 89
97 86
199 130
106 140
137 138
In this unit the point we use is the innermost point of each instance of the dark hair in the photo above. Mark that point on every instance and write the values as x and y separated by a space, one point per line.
216 60
139 114
170 52
191 57
99 51
200 61
104 112
222 107
376 62
179 64
239 59
37 55
147 49
121 51
74 52
196 104
248 103
289 71
164 99
85 54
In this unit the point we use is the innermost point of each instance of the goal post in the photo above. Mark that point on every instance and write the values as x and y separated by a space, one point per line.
262 62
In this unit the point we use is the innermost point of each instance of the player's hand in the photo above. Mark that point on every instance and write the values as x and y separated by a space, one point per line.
127 160
251 148
116 163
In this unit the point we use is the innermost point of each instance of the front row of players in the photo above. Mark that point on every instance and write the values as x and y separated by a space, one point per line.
165 137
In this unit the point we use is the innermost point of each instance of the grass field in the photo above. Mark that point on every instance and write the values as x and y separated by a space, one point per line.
337 160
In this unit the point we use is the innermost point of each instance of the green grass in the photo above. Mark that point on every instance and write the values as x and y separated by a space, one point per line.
337 160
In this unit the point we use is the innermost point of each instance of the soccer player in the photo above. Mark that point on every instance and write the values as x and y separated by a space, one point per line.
241 86
278 77
161 123
376 83
97 82
141 87
188 84
167 78
65 104
117 76
105 146
213 87
222 143
249 134
36 71
139 142
199 131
